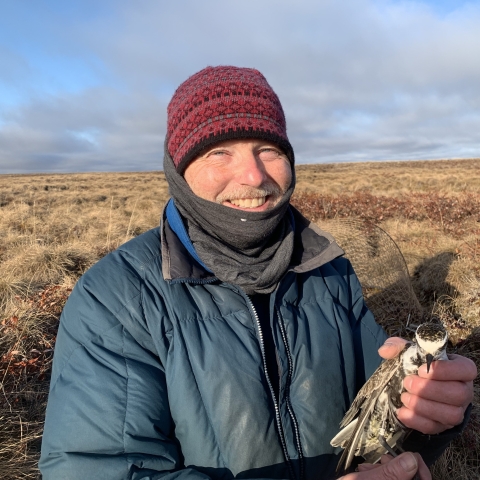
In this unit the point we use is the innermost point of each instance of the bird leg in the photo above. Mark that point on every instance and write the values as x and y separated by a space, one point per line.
388 448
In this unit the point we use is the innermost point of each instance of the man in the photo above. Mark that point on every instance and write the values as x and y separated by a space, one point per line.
231 341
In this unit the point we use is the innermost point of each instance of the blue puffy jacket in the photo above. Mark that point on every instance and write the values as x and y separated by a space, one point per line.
159 367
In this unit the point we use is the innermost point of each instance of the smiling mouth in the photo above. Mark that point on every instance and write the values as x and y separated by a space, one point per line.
248 202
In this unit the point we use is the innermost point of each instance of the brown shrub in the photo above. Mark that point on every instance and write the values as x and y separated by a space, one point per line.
452 215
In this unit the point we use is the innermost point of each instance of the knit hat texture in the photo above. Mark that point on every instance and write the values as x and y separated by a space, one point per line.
223 103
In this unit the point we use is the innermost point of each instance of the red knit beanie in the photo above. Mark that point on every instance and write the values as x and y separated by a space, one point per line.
223 103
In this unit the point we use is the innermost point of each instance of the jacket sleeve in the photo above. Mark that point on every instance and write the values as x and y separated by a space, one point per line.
108 414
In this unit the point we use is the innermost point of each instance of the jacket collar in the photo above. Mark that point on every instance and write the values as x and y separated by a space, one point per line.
313 248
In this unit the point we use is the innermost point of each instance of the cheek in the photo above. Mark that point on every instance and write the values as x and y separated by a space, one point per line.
206 183
281 173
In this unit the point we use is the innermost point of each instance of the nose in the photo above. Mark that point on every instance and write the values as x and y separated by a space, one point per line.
250 170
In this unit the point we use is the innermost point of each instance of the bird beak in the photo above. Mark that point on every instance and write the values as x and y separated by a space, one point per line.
429 361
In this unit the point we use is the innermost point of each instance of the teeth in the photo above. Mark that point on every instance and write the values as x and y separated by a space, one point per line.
249 202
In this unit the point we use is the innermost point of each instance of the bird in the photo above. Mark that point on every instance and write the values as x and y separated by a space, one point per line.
370 427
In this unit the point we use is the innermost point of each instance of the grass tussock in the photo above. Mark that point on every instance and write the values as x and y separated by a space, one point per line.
54 227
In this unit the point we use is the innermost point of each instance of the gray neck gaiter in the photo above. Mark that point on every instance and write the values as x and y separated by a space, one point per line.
249 249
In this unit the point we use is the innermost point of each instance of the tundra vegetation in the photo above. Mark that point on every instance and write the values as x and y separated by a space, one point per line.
54 227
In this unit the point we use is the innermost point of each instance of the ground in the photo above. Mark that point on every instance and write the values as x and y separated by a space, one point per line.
54 227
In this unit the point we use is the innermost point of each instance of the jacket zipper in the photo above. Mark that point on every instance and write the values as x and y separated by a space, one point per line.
287 394
275 403
194 281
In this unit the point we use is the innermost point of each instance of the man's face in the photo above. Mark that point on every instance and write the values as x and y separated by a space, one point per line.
246 174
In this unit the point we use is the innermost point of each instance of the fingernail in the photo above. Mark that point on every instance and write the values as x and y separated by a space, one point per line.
423 370
386 345
407 383
408 462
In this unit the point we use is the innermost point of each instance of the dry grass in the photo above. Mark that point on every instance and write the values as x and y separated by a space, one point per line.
392 178
54 227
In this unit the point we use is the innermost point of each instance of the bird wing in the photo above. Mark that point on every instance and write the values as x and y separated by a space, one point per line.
360 412
372 388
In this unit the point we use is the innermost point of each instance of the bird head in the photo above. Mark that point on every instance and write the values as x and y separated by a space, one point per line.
432 340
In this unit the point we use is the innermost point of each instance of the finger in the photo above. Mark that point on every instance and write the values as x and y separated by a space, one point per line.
436 411
385 459
459 368
366 467
449 392
392 347
424 425
402 467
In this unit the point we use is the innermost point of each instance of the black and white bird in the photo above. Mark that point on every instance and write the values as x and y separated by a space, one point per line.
370 428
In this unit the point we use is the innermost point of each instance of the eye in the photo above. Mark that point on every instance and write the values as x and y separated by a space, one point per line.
216 153
270 153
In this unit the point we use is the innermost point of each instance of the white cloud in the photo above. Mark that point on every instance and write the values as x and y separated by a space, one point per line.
359 79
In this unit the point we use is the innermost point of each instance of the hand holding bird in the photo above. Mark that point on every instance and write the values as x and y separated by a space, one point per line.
434 401
409 390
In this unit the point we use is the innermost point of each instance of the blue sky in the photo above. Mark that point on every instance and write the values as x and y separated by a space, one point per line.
84 85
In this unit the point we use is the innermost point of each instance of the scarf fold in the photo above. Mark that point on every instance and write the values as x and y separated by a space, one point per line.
249 249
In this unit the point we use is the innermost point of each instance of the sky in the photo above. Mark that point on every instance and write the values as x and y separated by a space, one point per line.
84 84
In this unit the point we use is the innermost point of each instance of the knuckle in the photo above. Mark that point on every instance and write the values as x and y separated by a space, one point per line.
460 417
456 416
472 368
464 393
469 367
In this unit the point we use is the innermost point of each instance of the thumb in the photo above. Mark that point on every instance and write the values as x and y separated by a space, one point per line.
402 467
392 347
